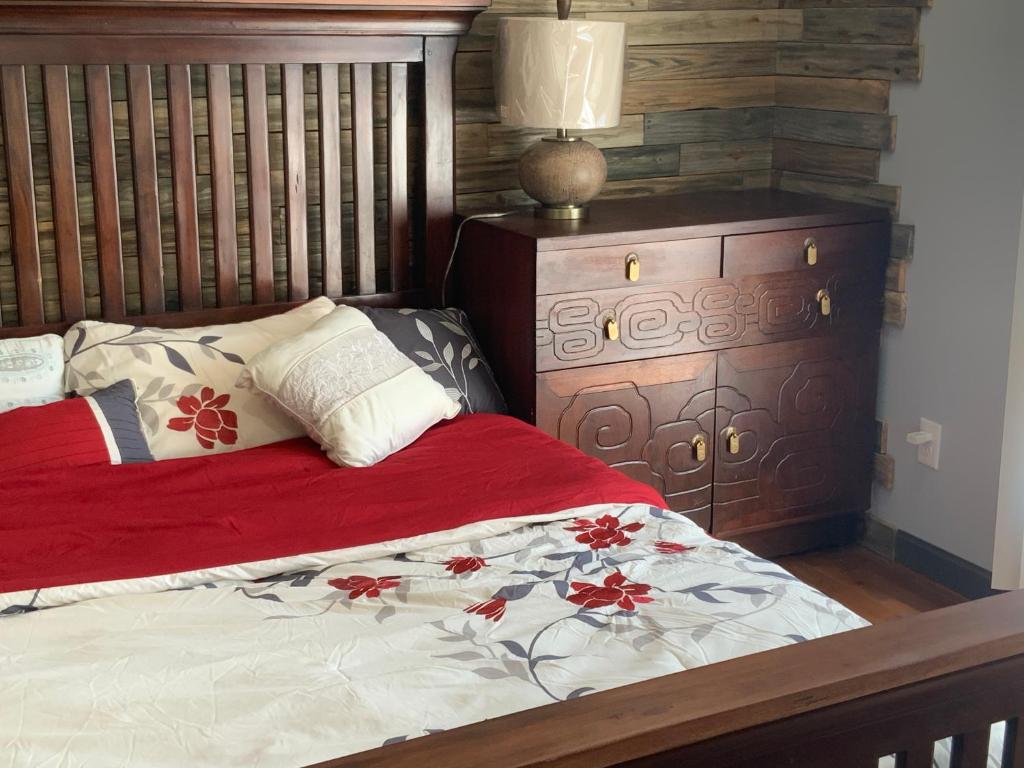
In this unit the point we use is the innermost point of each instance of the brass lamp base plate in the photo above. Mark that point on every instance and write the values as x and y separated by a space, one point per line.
561 212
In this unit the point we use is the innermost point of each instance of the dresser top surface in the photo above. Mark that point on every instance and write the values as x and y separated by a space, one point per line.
700 214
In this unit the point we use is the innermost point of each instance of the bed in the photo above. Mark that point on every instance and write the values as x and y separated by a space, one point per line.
488 589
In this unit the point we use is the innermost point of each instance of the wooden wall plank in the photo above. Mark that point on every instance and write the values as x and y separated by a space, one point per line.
709 125
843 128
706 26
850 190
827 159
183 172
896 276
903 242
222 166
880 26
258 154
398 176
832 93
21 191
680 62
330 180
856 3
297 239
104 190
147 196
648 161
895 309
64 192
726 156
647 96
362 172
877 62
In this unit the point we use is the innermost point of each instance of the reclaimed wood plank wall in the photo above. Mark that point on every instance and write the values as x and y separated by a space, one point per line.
724 94
719 94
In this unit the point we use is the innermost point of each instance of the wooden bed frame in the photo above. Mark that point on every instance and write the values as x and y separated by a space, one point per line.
839 701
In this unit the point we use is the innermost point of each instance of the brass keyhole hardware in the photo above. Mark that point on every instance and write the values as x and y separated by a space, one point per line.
825 302
632 267
811 251
700 448
611 329
732 440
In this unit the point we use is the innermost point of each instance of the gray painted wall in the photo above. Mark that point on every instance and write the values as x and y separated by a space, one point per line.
960 161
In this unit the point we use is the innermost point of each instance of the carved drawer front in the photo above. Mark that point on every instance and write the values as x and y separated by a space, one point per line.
587 328
794 431
859 247
619 266
653 420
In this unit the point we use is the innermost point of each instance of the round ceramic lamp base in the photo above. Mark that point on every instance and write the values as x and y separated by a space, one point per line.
563 175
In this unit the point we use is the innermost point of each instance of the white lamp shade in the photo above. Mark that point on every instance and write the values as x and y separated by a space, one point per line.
552 73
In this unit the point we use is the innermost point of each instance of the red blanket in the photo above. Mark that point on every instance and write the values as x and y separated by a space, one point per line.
61 526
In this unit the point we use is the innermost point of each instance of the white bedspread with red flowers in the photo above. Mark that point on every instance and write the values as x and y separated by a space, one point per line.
346 651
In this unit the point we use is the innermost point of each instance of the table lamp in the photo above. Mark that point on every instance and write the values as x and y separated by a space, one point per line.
563 75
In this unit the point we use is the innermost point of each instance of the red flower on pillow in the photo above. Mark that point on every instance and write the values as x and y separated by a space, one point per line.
492 609
460 565
208 416
603 532
358 586
671 547
614 592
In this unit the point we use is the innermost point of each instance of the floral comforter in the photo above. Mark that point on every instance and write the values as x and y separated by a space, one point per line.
389 642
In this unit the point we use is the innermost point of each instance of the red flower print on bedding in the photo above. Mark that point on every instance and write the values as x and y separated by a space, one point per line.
614 592
603 532
357 586
209 417
460 565
492 609
671 547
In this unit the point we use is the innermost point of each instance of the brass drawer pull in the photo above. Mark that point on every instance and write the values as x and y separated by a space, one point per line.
825 302
611 329
732 440
700 448
632 267
811 251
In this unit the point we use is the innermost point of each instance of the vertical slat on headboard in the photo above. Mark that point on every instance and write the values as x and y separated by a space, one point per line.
183 172
362 176
258 152
294 118
21 192
104 190
330 179
222 172
398 175
64 193
147 196
439 157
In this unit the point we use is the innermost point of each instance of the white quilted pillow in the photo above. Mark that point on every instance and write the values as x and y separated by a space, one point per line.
31 371
355 393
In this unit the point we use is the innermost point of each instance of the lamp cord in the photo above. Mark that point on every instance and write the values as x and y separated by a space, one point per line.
455 245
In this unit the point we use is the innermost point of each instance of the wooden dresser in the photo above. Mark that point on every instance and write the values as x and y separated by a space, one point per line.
722 347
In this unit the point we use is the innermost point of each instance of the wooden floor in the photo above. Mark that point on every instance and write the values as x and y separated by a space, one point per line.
868 584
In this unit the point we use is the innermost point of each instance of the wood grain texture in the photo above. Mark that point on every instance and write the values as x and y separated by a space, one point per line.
222 172
296 235
63 187
258 154
725 26
840 128
147 195
398 175
362 164
826 159
183 171
833 93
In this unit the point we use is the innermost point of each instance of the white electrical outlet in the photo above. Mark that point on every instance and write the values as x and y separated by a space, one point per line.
928 441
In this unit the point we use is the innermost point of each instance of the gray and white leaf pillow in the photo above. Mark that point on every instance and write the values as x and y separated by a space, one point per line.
441 342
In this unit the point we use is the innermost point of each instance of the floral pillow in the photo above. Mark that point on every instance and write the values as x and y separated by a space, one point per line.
188 398
441 342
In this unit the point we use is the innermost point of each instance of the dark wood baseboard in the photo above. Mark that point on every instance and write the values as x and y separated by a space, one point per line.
793 538
966 578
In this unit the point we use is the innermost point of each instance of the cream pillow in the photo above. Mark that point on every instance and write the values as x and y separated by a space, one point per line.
185 379
357 395
31 371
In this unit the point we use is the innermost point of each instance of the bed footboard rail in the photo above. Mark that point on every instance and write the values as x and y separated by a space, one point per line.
845 700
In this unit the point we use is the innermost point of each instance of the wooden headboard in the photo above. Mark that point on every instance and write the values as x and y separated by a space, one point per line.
179 162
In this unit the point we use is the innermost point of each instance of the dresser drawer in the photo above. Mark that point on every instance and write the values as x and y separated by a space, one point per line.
857 247
694 316
583 269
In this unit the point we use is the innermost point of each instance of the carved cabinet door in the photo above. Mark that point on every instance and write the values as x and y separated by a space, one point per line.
794 432
651 419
